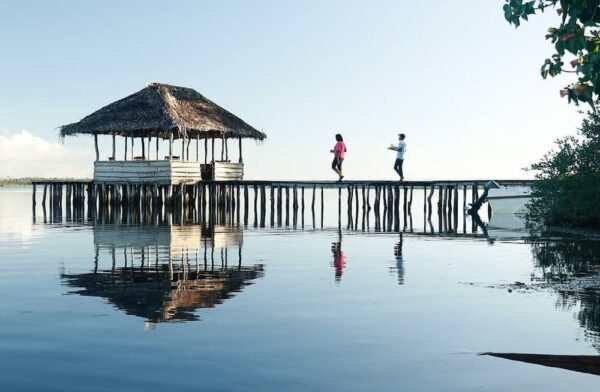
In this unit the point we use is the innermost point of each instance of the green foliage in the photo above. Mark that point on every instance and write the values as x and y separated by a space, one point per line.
26 180
577 36
567 192
14 181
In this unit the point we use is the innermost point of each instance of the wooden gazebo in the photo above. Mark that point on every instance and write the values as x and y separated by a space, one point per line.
165 112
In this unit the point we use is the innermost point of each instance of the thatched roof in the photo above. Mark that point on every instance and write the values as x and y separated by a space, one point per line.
161 109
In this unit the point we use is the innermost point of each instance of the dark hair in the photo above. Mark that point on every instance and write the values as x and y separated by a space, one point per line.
339 138
402 136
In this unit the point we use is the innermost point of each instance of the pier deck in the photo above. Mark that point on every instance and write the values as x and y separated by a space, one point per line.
282 201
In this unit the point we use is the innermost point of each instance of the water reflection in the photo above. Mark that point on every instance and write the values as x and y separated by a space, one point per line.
561 261
398 269
339 262
164 273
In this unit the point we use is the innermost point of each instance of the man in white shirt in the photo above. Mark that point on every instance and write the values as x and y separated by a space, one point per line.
401 149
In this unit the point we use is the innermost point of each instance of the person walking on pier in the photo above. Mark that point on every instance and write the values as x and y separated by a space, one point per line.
339 151
401 149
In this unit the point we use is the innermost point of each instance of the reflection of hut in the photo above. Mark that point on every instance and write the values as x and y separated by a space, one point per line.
174 239
163 273
154 296
220 236
164 112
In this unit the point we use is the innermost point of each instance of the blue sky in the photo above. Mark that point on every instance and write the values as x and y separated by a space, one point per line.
453 75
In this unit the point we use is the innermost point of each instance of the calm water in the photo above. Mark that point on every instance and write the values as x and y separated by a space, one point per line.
156 307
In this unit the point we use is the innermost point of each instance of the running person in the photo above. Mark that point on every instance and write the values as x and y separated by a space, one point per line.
339 151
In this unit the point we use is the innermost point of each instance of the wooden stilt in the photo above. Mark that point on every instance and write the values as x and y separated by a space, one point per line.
322 206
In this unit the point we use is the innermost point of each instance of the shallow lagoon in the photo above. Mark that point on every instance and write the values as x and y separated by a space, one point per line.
294 309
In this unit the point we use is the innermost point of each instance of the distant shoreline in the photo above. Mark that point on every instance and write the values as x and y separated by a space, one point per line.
24 181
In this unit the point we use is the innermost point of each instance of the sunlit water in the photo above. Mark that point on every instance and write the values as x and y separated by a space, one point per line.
127 307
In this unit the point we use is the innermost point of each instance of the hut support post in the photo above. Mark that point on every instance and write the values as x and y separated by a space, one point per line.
205 151
114 146
157 140
187 149
241 160
125 155
223 147
96 147
170 146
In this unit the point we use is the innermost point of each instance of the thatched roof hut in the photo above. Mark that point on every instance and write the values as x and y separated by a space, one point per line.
162 110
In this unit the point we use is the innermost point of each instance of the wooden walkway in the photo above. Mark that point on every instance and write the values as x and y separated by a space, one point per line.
224 202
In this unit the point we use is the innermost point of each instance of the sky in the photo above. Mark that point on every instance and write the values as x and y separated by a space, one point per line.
454 76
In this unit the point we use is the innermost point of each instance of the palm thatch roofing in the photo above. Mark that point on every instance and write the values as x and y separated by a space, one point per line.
160 110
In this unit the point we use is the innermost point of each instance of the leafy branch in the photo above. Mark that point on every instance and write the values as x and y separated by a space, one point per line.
577 36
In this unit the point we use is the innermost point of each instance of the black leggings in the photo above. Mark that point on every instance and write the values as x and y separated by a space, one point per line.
398 167
337 164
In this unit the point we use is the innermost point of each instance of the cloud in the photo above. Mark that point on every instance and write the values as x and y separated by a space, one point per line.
26 155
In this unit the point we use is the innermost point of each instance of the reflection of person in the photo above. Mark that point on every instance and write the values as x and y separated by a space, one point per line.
401 149
338 259
339 151
399 261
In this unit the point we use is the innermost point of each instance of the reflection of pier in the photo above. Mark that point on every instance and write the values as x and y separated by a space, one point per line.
370 205
164 273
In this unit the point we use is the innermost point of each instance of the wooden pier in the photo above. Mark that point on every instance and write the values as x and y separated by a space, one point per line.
266 202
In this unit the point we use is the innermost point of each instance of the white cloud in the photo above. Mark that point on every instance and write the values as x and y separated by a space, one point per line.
26 155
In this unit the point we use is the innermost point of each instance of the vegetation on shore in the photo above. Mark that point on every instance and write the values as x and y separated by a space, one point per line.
567 192
24 181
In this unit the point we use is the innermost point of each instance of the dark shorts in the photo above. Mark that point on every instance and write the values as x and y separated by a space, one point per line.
337 163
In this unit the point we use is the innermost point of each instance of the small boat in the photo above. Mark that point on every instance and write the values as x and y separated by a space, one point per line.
509 199
577 363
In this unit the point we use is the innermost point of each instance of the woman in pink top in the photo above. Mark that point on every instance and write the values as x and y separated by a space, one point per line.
339 150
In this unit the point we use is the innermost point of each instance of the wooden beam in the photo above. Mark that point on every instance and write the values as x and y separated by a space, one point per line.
125 154
197 147
143 147
205 151
223 147
241 160
114 146
170 146
96 147
157 143
183 148
213 150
